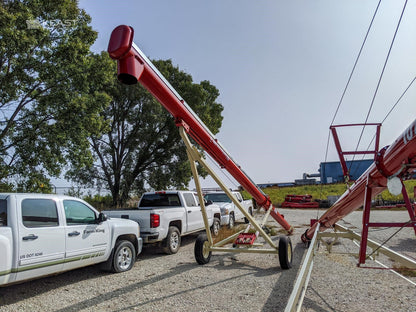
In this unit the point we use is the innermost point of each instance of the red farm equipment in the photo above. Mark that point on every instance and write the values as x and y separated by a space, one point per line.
134 67
299 201
392 164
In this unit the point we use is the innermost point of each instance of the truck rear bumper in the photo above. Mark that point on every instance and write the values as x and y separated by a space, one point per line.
150 237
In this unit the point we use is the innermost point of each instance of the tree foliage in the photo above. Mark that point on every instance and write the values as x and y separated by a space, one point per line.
141 146
49 104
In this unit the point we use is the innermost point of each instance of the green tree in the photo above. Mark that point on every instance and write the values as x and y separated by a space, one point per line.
49 104
141 146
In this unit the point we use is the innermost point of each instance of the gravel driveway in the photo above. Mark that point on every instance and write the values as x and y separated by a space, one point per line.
229 282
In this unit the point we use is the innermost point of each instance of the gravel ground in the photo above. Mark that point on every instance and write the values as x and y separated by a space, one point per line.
230 282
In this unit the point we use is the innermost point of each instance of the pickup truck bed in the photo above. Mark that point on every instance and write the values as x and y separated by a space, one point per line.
165 216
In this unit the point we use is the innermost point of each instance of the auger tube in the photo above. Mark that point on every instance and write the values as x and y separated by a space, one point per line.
134 67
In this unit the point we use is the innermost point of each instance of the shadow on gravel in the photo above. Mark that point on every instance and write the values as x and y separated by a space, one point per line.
25 290
405 245
316 307
282 290
111 295
151 251
15 293
131 288
178 270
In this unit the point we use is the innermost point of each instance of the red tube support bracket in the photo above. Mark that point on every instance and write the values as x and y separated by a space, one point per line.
134 67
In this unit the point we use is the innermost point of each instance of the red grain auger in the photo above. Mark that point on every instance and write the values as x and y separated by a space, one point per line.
134 67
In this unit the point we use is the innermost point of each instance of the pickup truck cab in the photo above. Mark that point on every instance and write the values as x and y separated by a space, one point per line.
165 216
43 234
229 212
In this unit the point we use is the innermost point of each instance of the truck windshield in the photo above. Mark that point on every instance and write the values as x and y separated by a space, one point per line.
218 198
160 200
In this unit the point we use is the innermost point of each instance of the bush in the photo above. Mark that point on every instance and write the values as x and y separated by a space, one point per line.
99 202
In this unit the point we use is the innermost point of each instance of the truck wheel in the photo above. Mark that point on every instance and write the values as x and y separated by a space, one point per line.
173 241
201 250
250 211
232 221
285 252
215 228
124 256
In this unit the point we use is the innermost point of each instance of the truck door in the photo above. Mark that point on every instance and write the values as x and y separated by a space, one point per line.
6 244
193 213
86 241
41 240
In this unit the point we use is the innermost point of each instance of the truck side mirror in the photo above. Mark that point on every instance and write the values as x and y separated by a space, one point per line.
101 218
208 202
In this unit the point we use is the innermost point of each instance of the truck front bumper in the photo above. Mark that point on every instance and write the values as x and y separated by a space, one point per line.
139 245
225 219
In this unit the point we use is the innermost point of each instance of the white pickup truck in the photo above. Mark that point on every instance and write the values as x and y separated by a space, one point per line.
165 216
43 234
229 212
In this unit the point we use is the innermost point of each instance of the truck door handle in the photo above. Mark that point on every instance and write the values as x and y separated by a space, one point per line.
189 211
76 233
30 237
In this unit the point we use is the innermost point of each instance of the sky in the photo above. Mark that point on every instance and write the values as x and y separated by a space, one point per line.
281 68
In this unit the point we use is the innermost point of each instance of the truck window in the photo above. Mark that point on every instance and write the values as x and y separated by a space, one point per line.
3 212
39 213
160 200
78 213
218 198
190 200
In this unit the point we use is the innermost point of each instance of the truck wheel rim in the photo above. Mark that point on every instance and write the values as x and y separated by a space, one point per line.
216 228
174 241
124 258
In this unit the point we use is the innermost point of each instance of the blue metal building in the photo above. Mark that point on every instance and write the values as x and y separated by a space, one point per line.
331 172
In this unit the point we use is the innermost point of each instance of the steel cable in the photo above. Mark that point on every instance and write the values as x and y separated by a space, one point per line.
379 80
346 87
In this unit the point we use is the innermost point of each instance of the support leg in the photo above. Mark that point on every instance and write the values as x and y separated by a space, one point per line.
366 220
200 197
409 206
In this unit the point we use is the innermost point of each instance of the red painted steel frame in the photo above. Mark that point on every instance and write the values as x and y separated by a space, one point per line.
341 153
132 67
398 160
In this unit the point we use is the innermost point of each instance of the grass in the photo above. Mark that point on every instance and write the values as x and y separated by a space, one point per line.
321 191
225 232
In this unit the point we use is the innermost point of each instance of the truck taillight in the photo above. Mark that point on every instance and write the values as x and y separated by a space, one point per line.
154 220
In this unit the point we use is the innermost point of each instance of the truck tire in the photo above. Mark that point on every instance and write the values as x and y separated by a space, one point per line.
250 212
173 241
202 254
124 256
285 252
215 228
231 222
